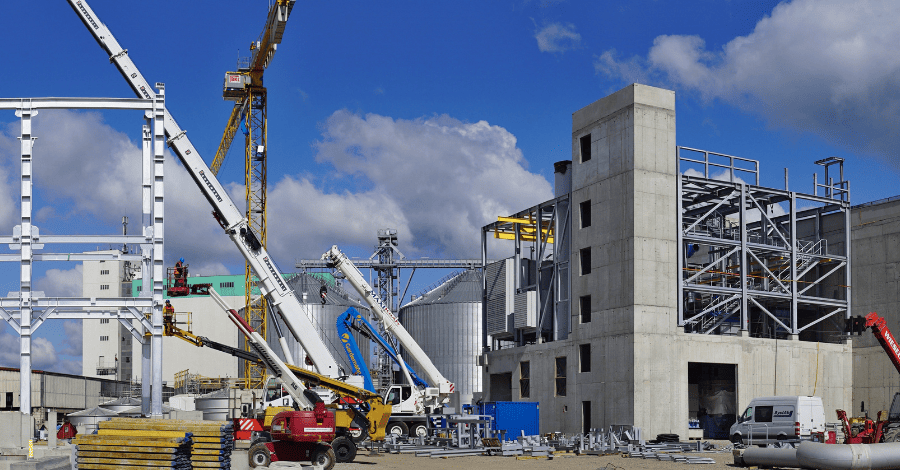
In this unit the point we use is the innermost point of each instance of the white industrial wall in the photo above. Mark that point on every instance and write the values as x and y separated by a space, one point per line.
92 331
207 320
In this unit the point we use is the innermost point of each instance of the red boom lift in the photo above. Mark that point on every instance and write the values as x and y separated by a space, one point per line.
880 430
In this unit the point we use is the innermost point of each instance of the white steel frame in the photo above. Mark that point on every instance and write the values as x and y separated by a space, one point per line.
724 282
27 312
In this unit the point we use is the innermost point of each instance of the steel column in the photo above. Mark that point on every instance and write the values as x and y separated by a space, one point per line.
680 238
745 316
159 275
25 265
146 258
795 283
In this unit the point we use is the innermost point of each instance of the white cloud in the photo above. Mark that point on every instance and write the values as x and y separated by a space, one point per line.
89 174
72 341
439 178
43 355
828 67
61 282
557 37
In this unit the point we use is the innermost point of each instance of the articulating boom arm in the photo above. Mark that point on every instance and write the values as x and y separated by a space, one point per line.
351 318
884 336
391 324
271 283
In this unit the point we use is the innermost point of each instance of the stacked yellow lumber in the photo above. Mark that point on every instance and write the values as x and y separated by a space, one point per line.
211 441
110 451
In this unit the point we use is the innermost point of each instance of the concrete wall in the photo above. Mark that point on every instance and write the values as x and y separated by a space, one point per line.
875 232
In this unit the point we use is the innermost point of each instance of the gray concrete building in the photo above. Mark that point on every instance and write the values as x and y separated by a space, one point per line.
876 288
626 329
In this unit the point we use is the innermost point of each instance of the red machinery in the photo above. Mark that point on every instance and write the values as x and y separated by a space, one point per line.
880 430
177 283
297 436
66 431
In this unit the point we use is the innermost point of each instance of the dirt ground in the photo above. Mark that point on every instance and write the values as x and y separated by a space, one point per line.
562 461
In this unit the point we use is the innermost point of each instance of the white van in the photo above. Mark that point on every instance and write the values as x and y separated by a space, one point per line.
770 419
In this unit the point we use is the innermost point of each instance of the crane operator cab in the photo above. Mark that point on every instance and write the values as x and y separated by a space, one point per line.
400 399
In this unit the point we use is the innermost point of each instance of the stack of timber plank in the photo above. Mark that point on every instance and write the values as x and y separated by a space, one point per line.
107 452
133 443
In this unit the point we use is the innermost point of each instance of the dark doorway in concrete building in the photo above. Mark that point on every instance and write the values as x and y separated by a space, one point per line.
712 398
501 387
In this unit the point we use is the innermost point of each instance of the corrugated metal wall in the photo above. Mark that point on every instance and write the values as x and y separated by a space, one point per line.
446 323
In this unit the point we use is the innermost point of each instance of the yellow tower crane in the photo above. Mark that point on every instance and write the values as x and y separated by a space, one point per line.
245 88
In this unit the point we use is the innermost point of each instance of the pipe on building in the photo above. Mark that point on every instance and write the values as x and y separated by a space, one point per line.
816 455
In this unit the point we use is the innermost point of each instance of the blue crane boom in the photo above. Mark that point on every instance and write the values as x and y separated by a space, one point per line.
352 319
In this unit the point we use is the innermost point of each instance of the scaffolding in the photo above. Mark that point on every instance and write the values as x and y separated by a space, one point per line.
757 261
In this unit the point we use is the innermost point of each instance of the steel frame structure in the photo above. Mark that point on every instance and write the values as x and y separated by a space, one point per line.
760 276
543 225
29 310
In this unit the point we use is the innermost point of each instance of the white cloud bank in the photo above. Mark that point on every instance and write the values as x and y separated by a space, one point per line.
437 180
557 37
828 67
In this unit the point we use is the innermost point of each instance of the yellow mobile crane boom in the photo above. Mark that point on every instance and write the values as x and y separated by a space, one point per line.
245 88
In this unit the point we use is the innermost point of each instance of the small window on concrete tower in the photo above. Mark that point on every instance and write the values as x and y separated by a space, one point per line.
585 308
585 210
584 357
585 148
561 376
585 260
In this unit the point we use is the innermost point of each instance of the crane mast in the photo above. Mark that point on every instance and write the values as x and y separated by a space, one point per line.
441 386
270 281
250 115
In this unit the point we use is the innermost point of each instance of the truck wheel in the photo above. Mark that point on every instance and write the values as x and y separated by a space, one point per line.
397 428
324 457
419 429
259 456
344 449
892 435
736 438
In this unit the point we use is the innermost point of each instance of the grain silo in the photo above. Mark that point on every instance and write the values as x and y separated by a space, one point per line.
446 322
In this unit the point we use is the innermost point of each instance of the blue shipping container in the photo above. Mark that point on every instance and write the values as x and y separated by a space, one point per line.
513 417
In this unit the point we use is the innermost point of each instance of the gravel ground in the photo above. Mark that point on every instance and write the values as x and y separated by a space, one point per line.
562 461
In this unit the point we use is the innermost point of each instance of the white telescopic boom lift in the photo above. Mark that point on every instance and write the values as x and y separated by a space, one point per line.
271 283
436 395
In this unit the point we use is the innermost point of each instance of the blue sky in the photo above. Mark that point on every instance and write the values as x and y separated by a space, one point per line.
431 117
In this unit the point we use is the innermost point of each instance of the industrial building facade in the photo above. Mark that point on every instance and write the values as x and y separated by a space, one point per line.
640 332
